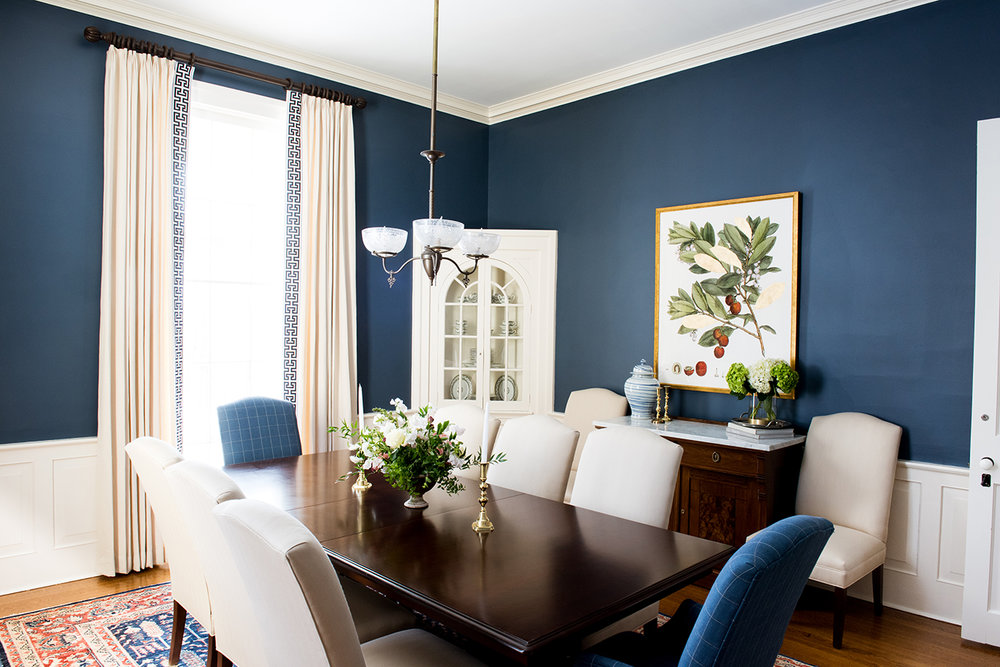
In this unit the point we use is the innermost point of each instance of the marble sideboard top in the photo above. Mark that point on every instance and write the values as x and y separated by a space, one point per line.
715 434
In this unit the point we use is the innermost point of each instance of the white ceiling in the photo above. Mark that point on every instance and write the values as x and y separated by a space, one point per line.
498 60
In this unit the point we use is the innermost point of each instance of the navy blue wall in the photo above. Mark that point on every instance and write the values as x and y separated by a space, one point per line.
51 125
874 123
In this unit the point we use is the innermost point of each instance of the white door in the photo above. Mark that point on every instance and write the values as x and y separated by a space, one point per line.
981 603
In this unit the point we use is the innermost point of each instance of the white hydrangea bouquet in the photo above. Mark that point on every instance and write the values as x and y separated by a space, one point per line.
413 452
764 380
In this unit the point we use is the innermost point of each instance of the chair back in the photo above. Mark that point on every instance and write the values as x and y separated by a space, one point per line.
258 429
848 470
628 472
582 408
539 452
151 458
469 417
745 615
301 614
198 488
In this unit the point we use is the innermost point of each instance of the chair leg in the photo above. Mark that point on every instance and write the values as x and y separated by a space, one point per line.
177 634
213 655
839 611
877 578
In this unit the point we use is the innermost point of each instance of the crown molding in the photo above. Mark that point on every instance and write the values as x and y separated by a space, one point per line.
832 15
793 26
174 25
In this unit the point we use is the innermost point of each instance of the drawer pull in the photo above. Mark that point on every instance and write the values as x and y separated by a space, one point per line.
715 457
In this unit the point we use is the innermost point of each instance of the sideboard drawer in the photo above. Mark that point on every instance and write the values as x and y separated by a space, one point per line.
723 459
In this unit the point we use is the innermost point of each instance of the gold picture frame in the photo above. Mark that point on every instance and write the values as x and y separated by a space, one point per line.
726 288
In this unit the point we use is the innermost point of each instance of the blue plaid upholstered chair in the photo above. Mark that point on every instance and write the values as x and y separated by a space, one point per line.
745 615
257 429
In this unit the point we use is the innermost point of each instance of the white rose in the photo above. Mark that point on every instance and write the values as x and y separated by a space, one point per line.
395 438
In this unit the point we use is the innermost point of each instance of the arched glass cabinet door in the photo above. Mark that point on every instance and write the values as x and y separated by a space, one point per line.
508 326
461 341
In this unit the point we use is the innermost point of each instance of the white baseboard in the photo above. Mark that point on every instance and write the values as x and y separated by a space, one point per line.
48 513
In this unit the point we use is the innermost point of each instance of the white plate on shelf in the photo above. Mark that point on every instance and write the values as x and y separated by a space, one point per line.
462 388
505 388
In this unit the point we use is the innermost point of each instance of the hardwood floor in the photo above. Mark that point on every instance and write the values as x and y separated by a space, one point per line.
897 638
77 591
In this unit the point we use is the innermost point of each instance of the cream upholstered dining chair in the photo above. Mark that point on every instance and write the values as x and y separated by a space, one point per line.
847 474
631 473
539 453
299 608
199 488
469 417
151 458
583 407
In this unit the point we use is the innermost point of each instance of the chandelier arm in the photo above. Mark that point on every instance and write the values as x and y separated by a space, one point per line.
466 273
392 274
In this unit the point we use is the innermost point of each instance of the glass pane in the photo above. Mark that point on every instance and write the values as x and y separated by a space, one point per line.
507 344
461 321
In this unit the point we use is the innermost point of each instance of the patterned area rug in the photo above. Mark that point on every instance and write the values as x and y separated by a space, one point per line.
122 630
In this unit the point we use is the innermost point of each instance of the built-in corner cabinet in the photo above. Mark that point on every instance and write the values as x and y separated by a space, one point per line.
492 339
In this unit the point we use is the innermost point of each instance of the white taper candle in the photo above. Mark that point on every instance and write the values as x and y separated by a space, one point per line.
361 407
483 456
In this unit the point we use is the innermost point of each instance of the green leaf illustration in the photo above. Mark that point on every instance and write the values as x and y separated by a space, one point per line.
711 286
708 233
767 328
708 339
727 282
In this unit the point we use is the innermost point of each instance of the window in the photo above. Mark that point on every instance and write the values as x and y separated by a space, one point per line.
234 258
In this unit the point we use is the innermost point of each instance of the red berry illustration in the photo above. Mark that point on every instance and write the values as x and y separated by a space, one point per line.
688 370
723 340
718 334
735 308
719 351
701 368
729 299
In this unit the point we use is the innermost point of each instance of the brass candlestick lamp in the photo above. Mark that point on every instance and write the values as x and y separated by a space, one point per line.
483 523
660 414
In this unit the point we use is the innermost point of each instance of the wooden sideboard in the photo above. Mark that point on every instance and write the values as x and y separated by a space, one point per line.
728 487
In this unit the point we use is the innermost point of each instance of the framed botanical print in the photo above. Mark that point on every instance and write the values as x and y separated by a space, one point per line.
726 287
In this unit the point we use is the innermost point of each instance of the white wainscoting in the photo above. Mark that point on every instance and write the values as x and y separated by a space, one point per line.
925 560
48 513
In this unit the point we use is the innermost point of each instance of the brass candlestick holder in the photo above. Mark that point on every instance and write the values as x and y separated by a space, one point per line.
660 414
361 483
483 523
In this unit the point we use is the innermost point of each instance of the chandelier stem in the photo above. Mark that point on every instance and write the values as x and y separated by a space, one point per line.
432 154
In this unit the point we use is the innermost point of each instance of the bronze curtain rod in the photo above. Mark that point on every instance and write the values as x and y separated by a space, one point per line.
141 46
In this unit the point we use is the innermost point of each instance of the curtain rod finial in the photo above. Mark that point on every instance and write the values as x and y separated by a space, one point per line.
92 34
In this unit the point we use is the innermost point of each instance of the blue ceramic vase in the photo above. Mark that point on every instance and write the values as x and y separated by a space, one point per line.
640 390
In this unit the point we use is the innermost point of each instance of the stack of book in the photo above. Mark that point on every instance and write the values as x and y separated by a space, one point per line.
744 430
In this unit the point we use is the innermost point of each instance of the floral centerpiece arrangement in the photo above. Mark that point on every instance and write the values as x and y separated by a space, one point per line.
413 452
764 380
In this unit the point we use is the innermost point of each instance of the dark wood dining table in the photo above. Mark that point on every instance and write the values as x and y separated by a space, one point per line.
527 593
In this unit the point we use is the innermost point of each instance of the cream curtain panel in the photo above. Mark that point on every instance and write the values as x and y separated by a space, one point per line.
327 348
136 358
